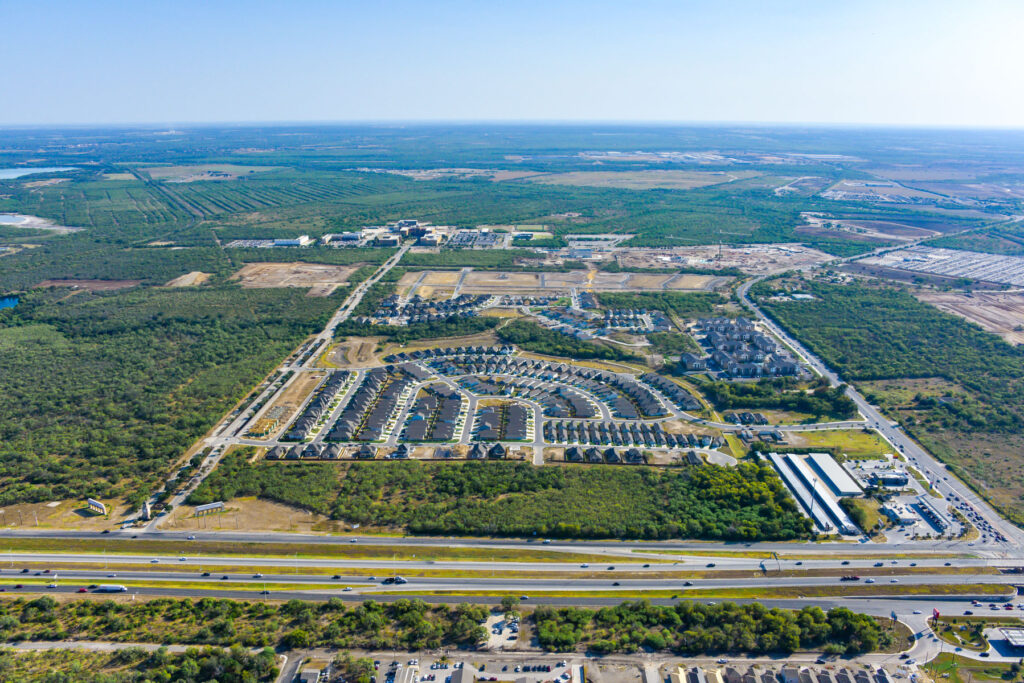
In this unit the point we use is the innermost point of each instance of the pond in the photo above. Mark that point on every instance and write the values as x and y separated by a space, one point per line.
11 173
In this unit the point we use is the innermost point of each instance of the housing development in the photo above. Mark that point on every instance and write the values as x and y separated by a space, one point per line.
514 416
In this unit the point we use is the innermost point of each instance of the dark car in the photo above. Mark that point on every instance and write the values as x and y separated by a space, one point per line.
206 573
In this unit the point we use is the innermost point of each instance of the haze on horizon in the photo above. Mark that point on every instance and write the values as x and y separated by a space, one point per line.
913 63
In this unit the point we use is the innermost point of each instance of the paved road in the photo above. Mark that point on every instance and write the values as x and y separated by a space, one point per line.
837 549
934 470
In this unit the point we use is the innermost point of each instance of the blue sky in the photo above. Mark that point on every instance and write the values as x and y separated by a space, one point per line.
903 62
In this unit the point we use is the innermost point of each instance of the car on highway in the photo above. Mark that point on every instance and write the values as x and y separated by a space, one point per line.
205 573
82 590
869 581
182 559
191 538
584 565
257 576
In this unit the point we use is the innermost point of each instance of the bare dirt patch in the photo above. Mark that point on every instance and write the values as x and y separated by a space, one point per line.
248 514
288 403
193 279
489 282
998 312
91 285
321 277
46 183
65 514
356 352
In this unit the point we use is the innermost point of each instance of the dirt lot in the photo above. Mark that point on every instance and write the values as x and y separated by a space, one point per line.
488 282
65 514
320 278
196 277
354 353
248 514
91 285
998 312
644 180
288 403
755 259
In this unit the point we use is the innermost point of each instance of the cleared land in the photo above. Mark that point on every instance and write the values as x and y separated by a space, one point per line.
196 277
250 514
320 278
644 180
91 285
755 259
998 312
491 282
283 409
854 443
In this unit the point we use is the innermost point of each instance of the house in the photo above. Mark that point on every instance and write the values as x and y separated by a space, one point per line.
497 451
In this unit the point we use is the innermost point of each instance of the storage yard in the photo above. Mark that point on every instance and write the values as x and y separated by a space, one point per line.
755 259
1004 270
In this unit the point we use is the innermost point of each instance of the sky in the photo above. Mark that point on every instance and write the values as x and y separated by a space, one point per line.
886 62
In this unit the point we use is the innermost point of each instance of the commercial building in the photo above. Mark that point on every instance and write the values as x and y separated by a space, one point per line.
837 478
300 241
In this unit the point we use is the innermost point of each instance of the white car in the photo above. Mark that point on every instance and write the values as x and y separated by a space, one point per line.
869 581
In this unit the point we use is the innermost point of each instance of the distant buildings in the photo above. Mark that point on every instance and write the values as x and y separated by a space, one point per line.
739 350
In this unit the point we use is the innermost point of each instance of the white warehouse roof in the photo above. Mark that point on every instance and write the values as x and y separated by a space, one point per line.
837 477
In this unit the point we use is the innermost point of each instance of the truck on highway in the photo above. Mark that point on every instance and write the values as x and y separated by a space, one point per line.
110 588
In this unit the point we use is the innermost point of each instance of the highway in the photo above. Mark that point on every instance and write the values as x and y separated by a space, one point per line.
496 584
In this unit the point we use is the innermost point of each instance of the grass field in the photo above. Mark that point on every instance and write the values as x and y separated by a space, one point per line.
957 669
855 444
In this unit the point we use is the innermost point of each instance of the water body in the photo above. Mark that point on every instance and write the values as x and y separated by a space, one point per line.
11 173
8 301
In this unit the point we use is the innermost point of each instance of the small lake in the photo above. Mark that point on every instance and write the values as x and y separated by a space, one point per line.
11 173
8 301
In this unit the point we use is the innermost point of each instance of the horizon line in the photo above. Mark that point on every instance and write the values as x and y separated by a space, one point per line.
155 125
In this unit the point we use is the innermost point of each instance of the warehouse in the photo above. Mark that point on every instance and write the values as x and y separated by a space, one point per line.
841 483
